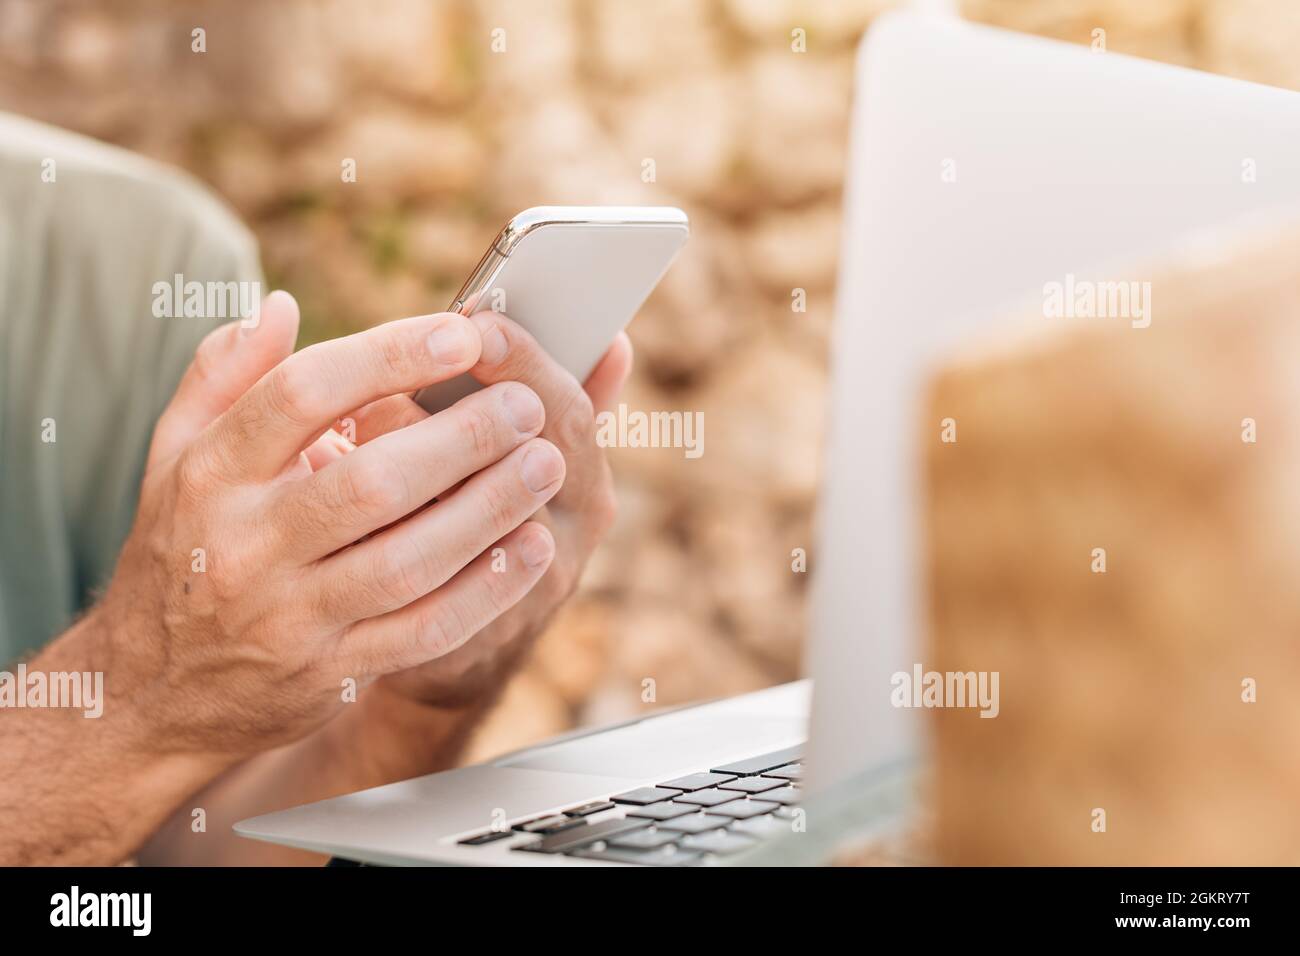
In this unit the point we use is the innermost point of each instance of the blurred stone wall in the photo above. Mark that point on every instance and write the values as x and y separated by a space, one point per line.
459 114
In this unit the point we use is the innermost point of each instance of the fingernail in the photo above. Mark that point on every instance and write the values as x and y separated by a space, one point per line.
448 343
523 408
542 467
494 346
536 549
277 299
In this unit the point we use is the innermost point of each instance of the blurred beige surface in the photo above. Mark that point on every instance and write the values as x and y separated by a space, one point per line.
695 590
1162 687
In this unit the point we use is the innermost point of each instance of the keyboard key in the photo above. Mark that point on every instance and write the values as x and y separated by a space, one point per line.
584 834
744 809
569 823
719 841
752 784
587 809
644 795
488 837
784 813
761 764
792 772
786 795
707 798
762 827
523 825
696 823
662 811
667 856
697 781
645 839
548 825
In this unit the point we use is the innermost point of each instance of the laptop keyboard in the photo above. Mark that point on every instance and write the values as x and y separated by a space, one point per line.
690 820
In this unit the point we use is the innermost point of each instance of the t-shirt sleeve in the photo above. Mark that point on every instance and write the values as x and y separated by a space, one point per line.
89 355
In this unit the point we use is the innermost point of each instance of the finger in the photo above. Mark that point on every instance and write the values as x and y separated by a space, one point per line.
384 416
419 555
302 396
395 474
443 620
226 364
608 377
510 353
331 446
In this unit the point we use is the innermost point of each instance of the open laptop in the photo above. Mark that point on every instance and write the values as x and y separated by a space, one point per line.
983 165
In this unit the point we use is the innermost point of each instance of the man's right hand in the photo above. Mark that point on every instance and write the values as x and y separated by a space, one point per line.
253 586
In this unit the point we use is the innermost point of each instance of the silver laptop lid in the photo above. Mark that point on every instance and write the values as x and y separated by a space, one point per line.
983 165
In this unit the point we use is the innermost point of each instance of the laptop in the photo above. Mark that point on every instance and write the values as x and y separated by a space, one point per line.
983 165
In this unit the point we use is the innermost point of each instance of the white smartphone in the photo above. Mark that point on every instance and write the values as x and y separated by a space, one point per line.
573 276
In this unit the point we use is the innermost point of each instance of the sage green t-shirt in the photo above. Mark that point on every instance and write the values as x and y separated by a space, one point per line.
86 230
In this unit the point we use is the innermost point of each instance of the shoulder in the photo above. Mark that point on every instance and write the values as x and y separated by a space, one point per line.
67 183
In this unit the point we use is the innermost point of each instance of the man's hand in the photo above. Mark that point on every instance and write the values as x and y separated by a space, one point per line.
254 649
416 721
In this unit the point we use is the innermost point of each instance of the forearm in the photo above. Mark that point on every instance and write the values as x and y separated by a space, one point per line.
85 790
381 739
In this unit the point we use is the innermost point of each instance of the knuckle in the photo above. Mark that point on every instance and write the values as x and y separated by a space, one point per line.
347 597
227 575
441 629
372 484
391 585
523 363
193 477
502 590
295 392
393 353
478 429
399 653
500 505
356 593
575 426
407 572
362 656
333 601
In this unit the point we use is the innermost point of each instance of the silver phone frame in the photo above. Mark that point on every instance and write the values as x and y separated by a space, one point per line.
539 217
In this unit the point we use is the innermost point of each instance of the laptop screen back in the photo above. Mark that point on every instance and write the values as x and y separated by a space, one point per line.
984 165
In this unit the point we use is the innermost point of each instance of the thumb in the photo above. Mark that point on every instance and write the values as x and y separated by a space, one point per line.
228 361
607 378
